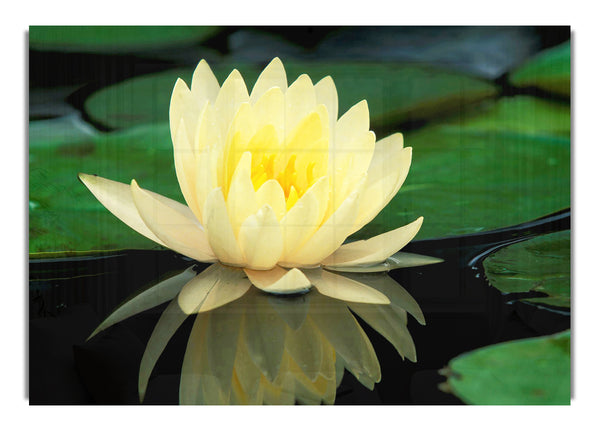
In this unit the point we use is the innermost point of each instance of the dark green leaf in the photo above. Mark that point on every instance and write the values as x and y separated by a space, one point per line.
113 39
549 70
533 371
541 264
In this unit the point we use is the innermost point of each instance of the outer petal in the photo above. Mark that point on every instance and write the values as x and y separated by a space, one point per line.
326 94
241 200
174 227
261 240
279 280
116 197
376 249
395 261
384 179
329 236
300 100
204 83
219 231
343 288
212 288
271 193
185 167
305 217
184 107
231 95
270 109
272 76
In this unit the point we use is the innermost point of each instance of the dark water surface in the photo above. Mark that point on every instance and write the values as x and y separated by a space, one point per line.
69 297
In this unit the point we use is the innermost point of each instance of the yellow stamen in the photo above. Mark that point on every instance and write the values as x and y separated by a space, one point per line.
292 198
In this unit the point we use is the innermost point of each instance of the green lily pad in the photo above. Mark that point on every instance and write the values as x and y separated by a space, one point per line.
395 92
533 371
112 39
541 264
471 175
64 216
549 70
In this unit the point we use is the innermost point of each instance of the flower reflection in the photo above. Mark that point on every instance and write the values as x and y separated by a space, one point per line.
271 349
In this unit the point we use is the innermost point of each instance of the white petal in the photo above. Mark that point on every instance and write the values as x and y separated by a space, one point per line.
379 192
326 94
279 280
204 83
176 229
116 197
300 100
219 231
212 288
241 200
376 249
395 261
330 235
272 76
271 193
185 168
184 107
231 95
270 109
343 288
261 240
190 385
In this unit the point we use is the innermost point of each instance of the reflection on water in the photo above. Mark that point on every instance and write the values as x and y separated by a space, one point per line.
251 347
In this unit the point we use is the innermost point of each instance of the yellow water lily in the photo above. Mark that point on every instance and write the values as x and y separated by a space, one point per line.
274 183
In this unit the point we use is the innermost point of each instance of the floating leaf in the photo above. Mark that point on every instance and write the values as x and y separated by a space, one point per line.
394 92
533 371
64 216
541 264
470 175
549 70
113 39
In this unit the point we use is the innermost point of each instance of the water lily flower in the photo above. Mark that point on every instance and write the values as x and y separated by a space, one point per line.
274 184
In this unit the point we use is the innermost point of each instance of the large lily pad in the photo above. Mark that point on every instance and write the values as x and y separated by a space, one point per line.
64 216
549 70
541 264
525 372
395 92
112 39
471 175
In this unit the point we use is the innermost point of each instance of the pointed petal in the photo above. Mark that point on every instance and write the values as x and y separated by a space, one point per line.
272 76
116 197
213 288
330 235
395 261
304 218
185 167
376 249
219 231
204 83
279 280
153 296
300 100
261 240
184 107
231 95
270 109
353 123
241 200
170 320
379 192
343 288
326 94
174 227
271 193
